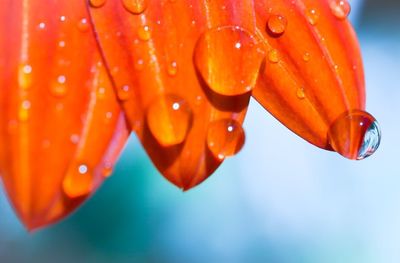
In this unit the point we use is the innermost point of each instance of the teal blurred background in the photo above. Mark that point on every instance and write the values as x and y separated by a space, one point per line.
279 200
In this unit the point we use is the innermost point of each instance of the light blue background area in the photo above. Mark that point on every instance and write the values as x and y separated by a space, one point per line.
280 200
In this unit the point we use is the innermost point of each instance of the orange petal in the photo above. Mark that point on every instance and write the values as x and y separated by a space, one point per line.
313 75
61 127
179 67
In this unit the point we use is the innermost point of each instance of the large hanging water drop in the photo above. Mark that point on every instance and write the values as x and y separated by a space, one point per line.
169 119
225 138
228 59
355 135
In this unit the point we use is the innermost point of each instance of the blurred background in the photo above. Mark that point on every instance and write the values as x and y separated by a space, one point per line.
279 200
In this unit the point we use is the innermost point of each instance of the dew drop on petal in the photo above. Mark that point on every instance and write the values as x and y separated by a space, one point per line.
306 57
273 56
144 33
225 138
169 119
97 3
23 113
107 170
83 25
277 24
172 68
355 135
135 6
124 93
78 181
340 8
25 76
312 16
228 59
300 93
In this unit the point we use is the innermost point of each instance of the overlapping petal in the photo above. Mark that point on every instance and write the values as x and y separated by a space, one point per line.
320 91
61 126
184 71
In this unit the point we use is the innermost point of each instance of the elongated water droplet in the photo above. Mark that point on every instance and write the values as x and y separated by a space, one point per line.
169 119
340 8
277 24
135 6
78 181
306 57
23 113
300 93
313 16
172 68
228 59
25 76
355 135
273 56
225 138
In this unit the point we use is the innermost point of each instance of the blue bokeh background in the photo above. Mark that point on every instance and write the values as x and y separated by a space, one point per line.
279 200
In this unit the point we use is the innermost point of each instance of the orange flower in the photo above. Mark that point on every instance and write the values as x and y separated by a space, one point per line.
182 72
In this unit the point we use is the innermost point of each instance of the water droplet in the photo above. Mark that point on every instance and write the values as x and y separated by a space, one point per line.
172 68
78 181
273 56
300 93
355 135
228 59
107 170
83 25
24 76
58 90
135 6
74 138
139 64
63 18
225 138
312 16
23 113
97 3
124 92
42 25
144 33
277 24
61 43
169 119
340 8
306 57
